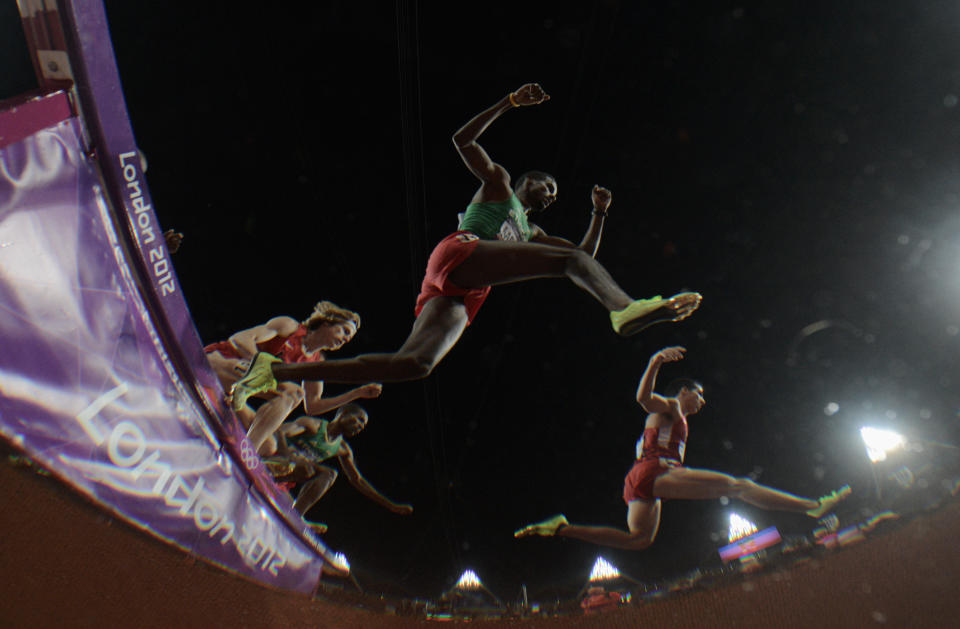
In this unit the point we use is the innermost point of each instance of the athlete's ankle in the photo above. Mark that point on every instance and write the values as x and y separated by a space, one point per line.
618 306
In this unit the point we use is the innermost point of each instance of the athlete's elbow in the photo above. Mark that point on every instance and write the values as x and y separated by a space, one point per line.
587 249
316 407
640 541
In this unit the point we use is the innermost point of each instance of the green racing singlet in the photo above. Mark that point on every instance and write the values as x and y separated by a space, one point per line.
318 445
491 219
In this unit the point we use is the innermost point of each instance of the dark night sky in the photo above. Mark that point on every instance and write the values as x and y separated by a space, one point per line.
793 163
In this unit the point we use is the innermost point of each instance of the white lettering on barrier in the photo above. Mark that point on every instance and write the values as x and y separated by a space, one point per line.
227 524
85 417
126 446
205 523
134 187
146 232
150 467
121 430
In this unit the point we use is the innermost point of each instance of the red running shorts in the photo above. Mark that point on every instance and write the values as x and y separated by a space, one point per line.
447 256
638 483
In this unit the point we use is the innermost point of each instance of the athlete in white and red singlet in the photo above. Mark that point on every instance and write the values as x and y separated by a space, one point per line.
328 328
658 473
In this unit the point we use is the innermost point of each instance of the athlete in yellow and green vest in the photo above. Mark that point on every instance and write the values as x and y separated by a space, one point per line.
303 445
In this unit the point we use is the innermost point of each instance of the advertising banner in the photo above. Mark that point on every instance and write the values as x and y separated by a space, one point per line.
87 387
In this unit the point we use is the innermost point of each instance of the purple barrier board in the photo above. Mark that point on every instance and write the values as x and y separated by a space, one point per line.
107 124
87 387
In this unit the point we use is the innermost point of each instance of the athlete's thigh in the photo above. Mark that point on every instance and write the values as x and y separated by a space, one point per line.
502 262
643 517
246 415
692 484
438 328
290 390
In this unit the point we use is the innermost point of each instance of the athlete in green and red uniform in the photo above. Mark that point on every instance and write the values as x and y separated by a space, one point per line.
307 442
494 245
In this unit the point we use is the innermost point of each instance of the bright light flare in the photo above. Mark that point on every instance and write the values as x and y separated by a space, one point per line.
603 570
340 561
740 527
468 580
880 442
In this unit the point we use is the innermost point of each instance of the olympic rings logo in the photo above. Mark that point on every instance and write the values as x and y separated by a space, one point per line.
248 455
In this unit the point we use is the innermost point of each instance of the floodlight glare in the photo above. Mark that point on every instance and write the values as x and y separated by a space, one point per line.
880 442
468 580
740 527
340 560
603 570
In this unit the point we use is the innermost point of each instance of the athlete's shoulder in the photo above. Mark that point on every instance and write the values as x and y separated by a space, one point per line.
658 419
661 418
284 325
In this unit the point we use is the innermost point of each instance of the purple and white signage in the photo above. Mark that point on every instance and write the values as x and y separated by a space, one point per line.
102 374
87 388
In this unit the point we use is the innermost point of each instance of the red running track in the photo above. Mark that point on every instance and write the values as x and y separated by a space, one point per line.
66 564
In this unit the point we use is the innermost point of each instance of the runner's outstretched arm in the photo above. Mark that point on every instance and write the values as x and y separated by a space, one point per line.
315 404
349 467
492 175
650 401
601 198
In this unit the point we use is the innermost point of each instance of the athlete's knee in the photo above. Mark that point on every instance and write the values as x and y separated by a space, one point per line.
290 392
324 474
269 447
415 366
578 261
640 540
302 471
737 486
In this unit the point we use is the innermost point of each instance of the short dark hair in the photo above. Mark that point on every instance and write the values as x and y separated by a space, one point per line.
676 386
351 409
537 175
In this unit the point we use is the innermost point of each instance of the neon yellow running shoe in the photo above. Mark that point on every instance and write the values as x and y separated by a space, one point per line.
828 502
318 527
643 313
259 378
547 528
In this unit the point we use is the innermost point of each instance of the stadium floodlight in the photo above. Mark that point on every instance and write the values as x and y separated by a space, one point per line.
603 570
468 580
740 527
340 561
880 442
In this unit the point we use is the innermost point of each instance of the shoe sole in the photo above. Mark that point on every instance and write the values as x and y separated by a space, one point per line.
662 314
